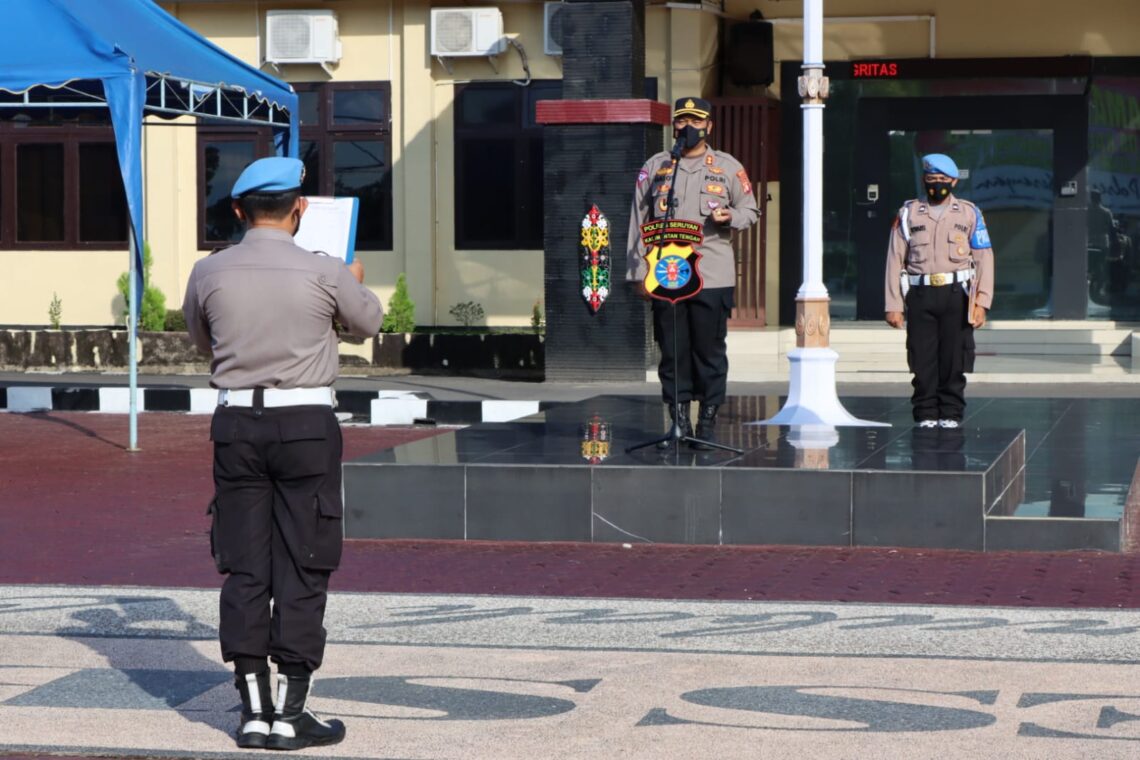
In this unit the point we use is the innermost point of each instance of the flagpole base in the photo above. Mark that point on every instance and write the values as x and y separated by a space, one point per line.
812 399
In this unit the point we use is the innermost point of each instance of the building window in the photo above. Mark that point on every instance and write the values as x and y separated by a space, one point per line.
345 144
498 165
60 187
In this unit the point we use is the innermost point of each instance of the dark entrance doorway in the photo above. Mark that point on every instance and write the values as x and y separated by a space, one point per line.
748 128
1023 160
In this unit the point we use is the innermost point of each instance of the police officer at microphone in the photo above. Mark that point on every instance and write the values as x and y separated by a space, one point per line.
713 189
940 269
264 309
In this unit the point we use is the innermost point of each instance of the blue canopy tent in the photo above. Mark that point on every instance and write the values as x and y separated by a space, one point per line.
132 58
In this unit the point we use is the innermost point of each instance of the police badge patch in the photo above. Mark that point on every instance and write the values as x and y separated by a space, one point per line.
745 184
671 257
981 237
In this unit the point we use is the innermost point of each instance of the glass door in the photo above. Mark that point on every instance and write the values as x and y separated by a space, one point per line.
1022 162
1008 174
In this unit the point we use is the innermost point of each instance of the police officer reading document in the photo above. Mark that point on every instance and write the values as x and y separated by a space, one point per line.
940 268
264 309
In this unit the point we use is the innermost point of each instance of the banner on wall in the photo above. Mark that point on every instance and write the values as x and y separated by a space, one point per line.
1119 192
1114 143
1011 187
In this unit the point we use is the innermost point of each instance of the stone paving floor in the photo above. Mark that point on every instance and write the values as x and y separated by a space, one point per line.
499 650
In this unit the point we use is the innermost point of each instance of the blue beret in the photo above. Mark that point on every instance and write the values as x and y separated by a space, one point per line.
270 175
939 163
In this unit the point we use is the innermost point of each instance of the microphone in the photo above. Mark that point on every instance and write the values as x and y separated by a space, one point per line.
678 147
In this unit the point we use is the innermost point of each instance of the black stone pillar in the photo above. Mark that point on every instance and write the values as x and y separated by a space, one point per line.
596 139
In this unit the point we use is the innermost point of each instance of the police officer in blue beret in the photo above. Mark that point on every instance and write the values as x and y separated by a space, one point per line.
940 282
264 311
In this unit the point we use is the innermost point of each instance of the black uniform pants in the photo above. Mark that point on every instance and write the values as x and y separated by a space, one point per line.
939 350
277 529
701 351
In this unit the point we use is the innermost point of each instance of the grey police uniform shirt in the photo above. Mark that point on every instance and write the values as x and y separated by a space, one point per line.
929 245
712 180
265 308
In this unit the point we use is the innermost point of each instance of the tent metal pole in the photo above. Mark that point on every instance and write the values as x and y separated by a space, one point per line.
132 338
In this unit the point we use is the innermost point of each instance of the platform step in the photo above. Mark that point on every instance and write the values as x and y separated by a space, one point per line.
894 486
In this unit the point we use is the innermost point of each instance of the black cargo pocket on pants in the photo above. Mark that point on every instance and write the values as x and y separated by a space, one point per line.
220 560
969 352
322 548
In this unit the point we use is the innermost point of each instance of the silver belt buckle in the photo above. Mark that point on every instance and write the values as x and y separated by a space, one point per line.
939 279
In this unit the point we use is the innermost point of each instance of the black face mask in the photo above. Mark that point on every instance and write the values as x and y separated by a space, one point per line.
937 192
692 135
687 137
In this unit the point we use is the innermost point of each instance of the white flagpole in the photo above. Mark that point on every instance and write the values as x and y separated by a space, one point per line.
812 399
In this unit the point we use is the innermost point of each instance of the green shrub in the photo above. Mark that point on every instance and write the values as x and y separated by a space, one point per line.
467 313
537 317
400 316
55 311
152 315
175 320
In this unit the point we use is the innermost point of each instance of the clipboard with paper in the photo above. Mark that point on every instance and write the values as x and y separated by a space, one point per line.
329 226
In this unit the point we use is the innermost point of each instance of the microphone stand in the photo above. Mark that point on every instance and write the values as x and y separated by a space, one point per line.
675 437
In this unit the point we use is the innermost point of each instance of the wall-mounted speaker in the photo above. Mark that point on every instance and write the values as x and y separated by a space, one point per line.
748 57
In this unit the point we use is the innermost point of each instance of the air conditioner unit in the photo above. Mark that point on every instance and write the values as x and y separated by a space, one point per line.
467 32
552 28
301 37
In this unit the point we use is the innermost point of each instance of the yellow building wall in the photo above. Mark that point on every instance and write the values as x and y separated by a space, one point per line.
388 40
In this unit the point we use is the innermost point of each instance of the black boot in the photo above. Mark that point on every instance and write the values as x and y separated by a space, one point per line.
296 726
684 423
256 709
706 426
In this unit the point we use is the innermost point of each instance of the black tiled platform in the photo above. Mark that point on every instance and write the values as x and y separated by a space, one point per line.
1020 474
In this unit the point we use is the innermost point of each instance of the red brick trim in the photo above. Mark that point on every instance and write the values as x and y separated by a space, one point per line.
603 112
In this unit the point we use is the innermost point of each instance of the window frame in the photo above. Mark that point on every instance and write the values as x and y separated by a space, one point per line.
324 133
71 137
523 134
262 140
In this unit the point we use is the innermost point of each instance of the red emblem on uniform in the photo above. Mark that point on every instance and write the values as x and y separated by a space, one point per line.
745 185
709 160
